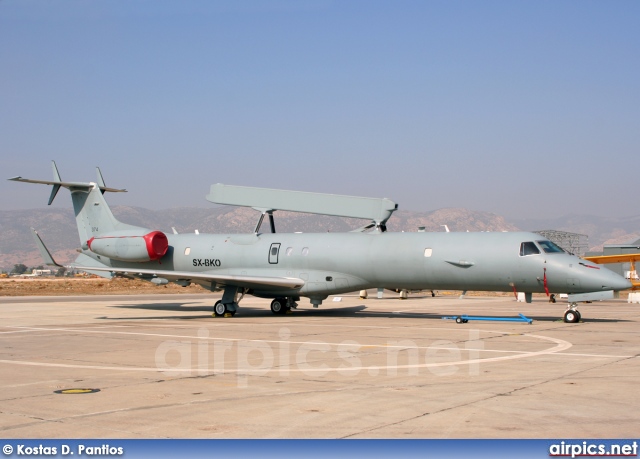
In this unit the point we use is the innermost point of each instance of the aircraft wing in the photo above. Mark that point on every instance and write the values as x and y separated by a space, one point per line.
220 279
624 258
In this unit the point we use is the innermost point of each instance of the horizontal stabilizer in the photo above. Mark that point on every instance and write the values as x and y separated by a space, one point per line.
376 209
85 185
57 182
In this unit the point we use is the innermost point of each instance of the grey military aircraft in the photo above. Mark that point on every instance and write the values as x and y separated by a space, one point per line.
287 266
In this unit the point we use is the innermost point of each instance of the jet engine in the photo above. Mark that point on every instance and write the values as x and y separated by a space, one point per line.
133 245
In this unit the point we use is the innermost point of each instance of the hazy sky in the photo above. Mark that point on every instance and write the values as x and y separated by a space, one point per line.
522 108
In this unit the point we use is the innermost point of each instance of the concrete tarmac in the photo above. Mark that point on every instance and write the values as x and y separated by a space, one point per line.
162 367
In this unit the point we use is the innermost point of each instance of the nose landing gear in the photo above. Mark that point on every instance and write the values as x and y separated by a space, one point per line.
572 315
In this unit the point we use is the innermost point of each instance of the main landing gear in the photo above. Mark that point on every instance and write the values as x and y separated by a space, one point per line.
572 315
229 304
224 310
283 305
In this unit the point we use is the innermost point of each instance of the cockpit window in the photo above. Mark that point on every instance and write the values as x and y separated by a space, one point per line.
528 248
549 247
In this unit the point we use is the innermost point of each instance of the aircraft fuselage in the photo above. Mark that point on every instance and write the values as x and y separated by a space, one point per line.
334 263
286 266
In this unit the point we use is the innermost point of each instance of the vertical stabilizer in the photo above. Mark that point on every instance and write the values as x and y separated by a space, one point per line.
93 215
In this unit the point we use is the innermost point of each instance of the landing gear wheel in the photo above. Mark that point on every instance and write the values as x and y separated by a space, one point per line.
459 320
572 316
219 309
279 306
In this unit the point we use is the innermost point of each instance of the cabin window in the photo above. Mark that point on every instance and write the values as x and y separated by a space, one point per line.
289 251
305 251
549 247
428 252
274 251
187 251
528 248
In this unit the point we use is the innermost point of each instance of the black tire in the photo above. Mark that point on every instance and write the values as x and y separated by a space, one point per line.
459 320
219 309
464 321
279 306
579 315
571 316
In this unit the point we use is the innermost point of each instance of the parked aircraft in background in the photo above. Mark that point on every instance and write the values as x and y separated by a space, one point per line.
288 266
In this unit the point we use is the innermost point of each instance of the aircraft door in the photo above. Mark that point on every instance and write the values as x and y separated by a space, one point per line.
274 250
529 269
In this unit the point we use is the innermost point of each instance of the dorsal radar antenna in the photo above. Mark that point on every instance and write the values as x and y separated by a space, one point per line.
267 201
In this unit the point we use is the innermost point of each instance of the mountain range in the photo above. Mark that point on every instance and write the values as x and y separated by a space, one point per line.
58 229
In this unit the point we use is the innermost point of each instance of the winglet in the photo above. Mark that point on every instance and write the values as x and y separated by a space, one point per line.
102 185
56 174
100 180
44 252
56 178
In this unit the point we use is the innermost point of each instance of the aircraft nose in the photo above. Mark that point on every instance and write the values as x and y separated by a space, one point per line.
613 281
622 284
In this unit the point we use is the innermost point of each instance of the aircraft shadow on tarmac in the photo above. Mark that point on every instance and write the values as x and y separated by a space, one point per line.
245 312
188 312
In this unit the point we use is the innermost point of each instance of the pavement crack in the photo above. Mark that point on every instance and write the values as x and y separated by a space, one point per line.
418 416
501 394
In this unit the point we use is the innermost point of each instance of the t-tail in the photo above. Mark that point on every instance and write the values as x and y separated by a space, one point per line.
99 231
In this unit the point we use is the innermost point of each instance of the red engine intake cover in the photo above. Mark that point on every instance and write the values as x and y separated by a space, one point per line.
157 244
